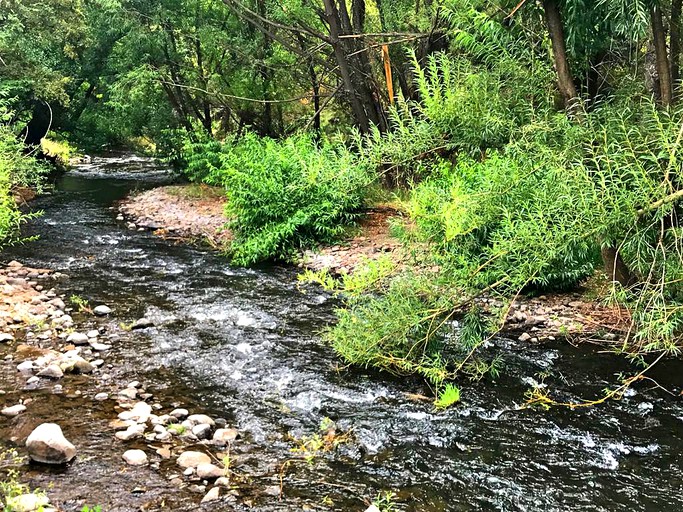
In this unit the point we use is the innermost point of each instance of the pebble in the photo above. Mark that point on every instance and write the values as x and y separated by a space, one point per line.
191 459
223 481
6 337
99 347
201 419
525 337
25 366
94 333
135 457
77 338
213 495
51 371
130 393
14 410
224 435
140 413
179 413
130 433
208 470
102 310
202 431
142 323
101 396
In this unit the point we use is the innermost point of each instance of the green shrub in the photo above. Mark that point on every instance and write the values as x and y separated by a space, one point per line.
16 170
283 196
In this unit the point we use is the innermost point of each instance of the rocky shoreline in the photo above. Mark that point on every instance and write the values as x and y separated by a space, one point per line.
46 347
177 212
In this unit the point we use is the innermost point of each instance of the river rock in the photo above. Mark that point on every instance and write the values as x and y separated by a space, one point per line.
206 471
52 371
14 410
26 366
224 436
47 444
202 431
142 323
200 419
140 413
6 337
129 393
76 364
93 333
102 310
131 432
213 495
27 502
223 481
179 413
525 337
135 457
372 508
101 396
192 459
58 303
77 338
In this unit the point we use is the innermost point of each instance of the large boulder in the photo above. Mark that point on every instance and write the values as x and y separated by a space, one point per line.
48 445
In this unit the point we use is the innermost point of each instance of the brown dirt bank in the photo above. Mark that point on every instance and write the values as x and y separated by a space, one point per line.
196 211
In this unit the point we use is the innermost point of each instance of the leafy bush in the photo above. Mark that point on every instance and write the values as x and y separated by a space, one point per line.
283 196
16 170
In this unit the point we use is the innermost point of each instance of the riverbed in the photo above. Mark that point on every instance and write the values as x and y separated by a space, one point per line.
244 344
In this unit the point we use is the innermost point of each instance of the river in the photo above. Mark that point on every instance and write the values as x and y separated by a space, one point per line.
244 344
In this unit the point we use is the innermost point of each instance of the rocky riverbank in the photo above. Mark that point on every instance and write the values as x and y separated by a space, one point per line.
187 212
46 350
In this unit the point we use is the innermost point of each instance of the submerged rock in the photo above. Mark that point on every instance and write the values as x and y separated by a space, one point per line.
48 445
142 323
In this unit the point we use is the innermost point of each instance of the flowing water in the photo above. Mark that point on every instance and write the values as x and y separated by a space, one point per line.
243 344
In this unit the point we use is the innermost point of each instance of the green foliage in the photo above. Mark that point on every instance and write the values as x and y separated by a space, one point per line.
385 501
448 396
283 196
16 170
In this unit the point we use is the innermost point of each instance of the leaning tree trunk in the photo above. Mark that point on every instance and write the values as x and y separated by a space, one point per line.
663 70
565 82
615 267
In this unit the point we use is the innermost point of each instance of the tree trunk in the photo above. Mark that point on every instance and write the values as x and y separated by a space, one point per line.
565 82
615 267
663 69
675 49
334 23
